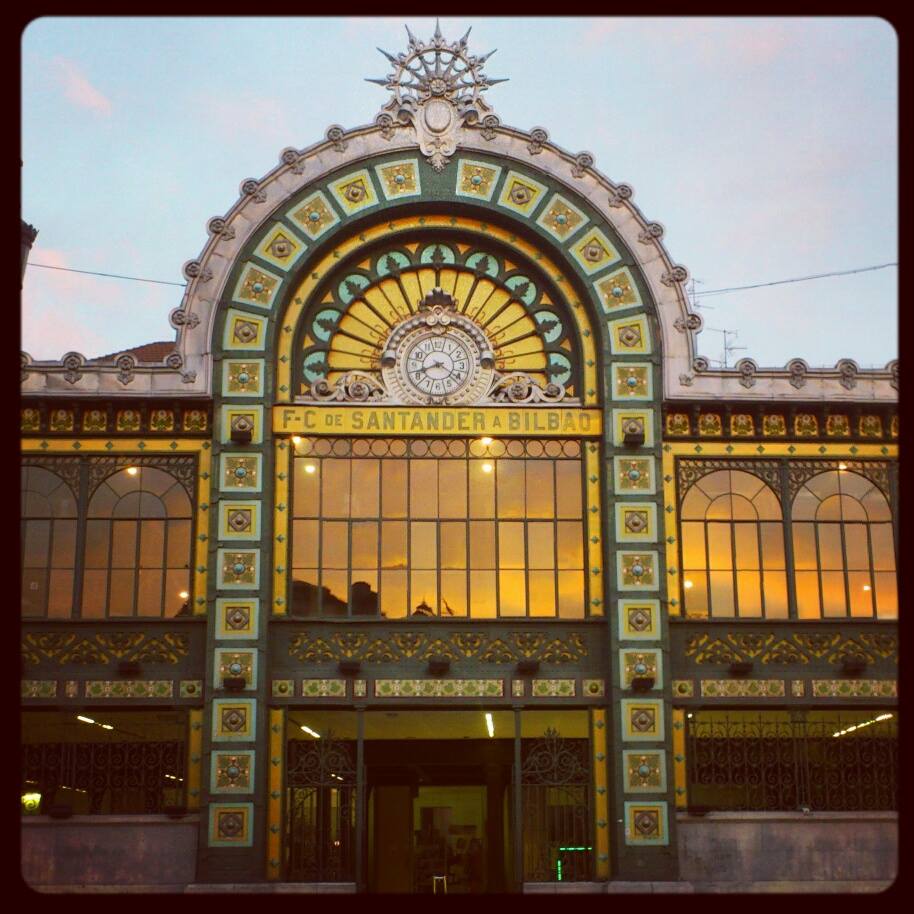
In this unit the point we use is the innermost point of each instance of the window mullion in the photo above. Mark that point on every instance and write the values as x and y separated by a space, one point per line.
787 528
79 557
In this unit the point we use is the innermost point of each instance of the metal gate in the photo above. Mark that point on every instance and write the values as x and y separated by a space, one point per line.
321 810
557 804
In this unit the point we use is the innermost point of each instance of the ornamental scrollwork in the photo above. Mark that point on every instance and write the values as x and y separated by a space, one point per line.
182 466
103 647
797 648
419 646
800 471
690 471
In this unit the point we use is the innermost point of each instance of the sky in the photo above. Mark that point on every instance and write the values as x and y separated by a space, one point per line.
767 147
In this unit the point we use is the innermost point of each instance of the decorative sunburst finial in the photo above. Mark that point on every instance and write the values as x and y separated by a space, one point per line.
437 86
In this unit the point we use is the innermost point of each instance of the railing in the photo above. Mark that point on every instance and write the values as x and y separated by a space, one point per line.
775 761
135 777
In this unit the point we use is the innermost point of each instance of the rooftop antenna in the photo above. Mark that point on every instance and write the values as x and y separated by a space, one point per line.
694 303
729 348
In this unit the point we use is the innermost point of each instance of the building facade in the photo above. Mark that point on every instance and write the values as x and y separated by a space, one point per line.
431 556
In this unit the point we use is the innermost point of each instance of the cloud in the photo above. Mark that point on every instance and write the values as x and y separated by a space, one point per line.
77 88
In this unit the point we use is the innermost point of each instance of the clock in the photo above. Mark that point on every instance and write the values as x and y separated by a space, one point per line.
438 356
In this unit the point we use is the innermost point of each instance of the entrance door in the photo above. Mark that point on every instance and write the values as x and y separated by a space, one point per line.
449 839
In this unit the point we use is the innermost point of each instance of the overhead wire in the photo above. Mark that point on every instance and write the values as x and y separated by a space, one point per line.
697 294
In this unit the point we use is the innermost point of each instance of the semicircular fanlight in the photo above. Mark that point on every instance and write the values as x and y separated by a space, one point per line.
513 303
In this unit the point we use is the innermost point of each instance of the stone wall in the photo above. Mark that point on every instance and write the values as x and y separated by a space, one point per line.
778 847
109 850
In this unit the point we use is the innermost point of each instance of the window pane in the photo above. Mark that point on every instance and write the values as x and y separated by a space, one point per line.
95 592
335 481
304 543
423 488
363 591
540 488
572 596
97 544
693 545
482 488
694 505
149 592
305 592
393 594
60 594
453 593
334 593
568 488
34 591
748 485
365 487
152 543
306 487
482 544
858 556
804 505
886 595
749 593
541 545
512 596
722 593
393 488
423 595
804 547
482 594
883 544
570 536
877 508
746 536
510 485
364 544
179 544
177 504
719 547
150 506
453 545
177 592
775 593
423 546
721 508
716 483
511 545
123 544
807 584
542 593
696 596
35 545
861 593
63 551
122 593
773 546
833 599
335 545
452 488
830 546
103 501
393 545
766 504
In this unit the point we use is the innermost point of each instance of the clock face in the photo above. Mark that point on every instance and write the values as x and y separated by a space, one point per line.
439 364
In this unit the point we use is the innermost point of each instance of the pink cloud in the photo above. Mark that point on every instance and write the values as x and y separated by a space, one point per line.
77 88
266 118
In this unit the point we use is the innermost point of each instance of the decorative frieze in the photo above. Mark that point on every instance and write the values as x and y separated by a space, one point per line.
439 688
111 420
119 688
854 688
39 688
742 688
323 688
553 688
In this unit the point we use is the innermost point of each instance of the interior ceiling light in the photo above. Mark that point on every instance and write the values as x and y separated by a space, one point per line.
310 732
490 725
132 471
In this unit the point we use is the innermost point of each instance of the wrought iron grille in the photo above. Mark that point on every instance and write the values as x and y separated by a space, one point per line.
759 761
135 777
321 810
557 803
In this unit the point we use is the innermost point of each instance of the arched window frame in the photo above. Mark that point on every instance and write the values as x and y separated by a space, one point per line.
787 476
767 573
84 476
869 583
54 578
